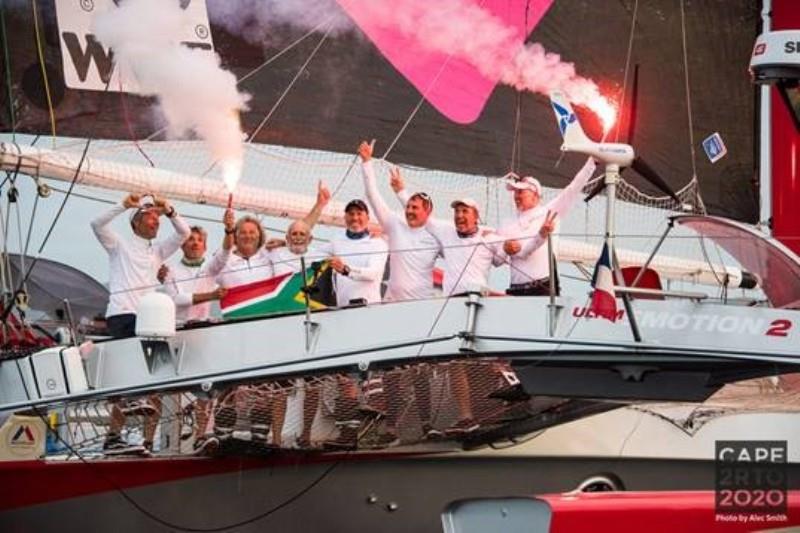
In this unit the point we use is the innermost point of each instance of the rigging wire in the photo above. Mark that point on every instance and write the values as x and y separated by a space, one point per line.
516 141
628 56
417 107
7 310
291 84
261 66
692 150
283 51
29 270
45 81
687 87
17 209
423 97
30 225
127 118
5 224
7 59
283 95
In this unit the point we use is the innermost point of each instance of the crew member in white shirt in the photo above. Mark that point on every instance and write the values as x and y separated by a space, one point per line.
286 260
412 257
192 286
134 263
469 253
413 251
191 283
358 259
530 271
133 268
469 250
251 261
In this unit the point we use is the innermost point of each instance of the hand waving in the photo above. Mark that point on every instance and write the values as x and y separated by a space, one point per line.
396 180
549 224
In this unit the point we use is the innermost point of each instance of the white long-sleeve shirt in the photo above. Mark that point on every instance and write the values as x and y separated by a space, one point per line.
183 281
134 263
366 258
467 260
285 261
531 262
241 271
413 251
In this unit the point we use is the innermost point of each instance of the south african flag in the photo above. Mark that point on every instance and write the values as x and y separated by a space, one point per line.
281 294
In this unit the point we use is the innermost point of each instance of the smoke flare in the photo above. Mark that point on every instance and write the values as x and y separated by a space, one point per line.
194 92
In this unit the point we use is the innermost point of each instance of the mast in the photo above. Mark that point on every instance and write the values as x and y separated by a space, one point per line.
765 138
785 143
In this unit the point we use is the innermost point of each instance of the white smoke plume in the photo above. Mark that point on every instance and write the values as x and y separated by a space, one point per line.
194 92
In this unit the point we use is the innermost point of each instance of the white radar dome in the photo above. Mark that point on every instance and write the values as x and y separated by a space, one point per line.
155 316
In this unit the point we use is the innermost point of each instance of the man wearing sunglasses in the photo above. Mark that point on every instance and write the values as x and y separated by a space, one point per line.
528 233
411 262
413 249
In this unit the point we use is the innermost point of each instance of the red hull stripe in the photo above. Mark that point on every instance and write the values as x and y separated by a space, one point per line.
656 512
24 483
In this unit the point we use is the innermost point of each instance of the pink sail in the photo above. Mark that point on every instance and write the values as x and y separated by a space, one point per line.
450 84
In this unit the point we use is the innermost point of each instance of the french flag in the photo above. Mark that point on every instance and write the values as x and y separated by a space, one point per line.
604 302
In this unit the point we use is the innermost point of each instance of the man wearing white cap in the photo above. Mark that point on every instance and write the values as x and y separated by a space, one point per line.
134 264
133 268
530 271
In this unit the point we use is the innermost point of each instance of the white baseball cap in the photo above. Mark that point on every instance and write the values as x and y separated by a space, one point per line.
514 182
469 202
146 203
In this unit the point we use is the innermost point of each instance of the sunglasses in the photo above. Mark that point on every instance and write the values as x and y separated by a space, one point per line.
425 197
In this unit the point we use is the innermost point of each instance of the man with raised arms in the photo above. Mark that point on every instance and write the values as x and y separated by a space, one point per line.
469 253
413 252
413 249
134 263
133 269
530 271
